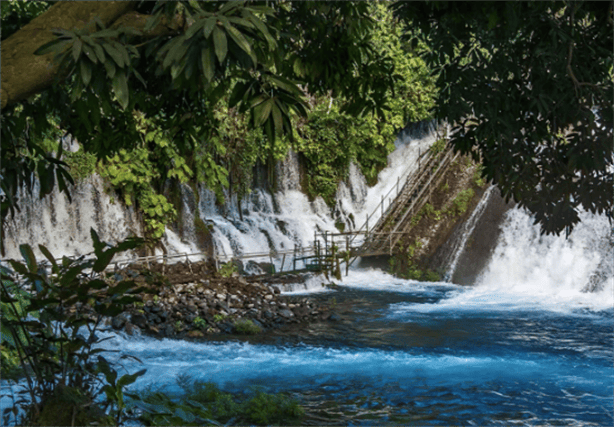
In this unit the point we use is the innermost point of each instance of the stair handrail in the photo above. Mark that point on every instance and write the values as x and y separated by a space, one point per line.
412 183
447 158
444 158
406 174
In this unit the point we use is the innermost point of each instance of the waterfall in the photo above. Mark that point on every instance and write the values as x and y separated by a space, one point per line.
261 223
553 268
467 231
63 226
280 221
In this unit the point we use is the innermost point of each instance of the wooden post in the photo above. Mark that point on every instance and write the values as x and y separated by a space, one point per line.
294 259
283 261
398 179
326 243
382 204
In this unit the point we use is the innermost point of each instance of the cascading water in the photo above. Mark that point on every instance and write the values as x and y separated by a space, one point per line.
468 228
526 344
553 270
267 222
63 226
277 222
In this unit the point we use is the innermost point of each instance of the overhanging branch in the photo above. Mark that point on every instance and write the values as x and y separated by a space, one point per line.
25 74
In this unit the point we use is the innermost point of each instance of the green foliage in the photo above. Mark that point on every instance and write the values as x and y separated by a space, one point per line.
412 272
478 176
461 202
80 164
267 409
205 404
200 323
404 265
219 318
246 327
9 362
58 360
228 269
16 13
438 146
530 87
427 211
329 139
136 173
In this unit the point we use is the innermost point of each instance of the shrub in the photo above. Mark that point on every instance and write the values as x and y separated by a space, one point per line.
438 146
81 164
228 269
461 202
478 177
200 323
56 349
205 404
246 327
266 409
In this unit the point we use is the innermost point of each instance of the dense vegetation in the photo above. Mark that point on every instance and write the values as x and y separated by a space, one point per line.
228 84
139 138
201 92
529 86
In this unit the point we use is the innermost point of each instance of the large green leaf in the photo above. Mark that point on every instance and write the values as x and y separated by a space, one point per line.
28 256
241 41
277 118
115 54
130 378
120 87
220 44
86 71
210 24
208 63
110 67
49 256
262 111
76 49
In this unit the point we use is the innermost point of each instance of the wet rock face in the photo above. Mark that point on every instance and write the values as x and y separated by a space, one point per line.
211 304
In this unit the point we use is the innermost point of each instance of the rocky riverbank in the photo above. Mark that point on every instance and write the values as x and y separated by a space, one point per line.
196 302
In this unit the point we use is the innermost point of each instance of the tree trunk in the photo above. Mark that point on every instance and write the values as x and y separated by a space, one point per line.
25 74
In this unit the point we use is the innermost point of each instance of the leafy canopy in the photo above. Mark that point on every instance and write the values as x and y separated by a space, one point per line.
172 64
528 86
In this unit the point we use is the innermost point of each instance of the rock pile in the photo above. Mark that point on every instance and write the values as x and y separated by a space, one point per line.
215 305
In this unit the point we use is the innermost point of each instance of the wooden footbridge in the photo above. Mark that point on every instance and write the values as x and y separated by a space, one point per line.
379 235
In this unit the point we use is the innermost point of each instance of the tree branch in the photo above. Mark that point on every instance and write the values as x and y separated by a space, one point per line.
25 74
138 21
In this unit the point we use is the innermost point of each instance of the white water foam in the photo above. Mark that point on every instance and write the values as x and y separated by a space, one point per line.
313 285
64 227
233 363
531 272
372 279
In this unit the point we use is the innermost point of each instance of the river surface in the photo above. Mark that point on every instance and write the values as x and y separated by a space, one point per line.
403 352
